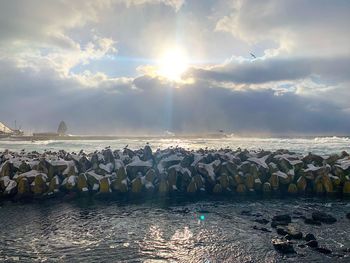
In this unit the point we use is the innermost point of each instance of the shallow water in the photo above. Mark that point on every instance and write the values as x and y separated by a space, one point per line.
318 145
160 231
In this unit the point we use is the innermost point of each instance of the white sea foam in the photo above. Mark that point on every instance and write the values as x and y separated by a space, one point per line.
319 145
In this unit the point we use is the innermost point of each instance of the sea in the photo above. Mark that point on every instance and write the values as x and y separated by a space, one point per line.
167 229
317 145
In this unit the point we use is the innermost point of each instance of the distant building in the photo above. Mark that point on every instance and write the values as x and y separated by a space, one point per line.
62 128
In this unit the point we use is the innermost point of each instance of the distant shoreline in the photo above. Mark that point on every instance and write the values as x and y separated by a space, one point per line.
144 137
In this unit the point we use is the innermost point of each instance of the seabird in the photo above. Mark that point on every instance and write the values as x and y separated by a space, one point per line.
252 55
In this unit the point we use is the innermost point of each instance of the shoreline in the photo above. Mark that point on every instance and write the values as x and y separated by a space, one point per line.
172 172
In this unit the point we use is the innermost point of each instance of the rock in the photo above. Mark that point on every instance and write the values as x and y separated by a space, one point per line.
327 184
217 189
318 188
310 221
262 221
4 181
224 181
70 183
105 186
163 187
281 231
312 243
294 233
301 184
281 220
6 169
93 180
82 183
292 189
241 188
282 246
257 184
54 184
192 187
150 175
199 181
136 185
346 188
324 250
23 187
323 217
11 188
39 185
309 237
24 167
137 166
147 153
274 181
266 188
120 185
249 181
285 217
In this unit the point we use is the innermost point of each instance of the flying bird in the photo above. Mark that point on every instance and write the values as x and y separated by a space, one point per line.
252 55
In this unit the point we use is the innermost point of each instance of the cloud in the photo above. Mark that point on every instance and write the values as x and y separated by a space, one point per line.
276 69
302 27
80 62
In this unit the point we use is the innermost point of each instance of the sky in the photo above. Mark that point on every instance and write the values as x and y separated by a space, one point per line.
122 67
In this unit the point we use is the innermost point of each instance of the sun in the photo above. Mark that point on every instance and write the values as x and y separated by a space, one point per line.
172 64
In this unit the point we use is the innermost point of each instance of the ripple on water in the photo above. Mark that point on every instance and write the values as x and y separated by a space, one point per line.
160 232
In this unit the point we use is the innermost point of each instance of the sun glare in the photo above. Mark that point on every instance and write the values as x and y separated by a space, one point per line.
172 64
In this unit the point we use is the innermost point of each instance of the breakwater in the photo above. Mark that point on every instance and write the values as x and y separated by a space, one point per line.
171 171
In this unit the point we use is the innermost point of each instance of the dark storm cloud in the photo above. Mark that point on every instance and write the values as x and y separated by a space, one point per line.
150 105
276 69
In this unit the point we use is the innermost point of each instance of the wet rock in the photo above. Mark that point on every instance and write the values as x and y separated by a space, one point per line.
136 185
282 246
163 187
150 175
147 153
281 231
312 243
292 189
192 187
281 220
323 217
262 221
54 185
310 221
24 167
241 188
217 189
105 187
82 183
266 188
70 183
346 188
294 233
348 215
309 237
23 187
263 229
324 250
39 185
11 188
301 184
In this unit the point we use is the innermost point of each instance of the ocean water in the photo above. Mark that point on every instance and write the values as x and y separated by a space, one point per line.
163 231
317 145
